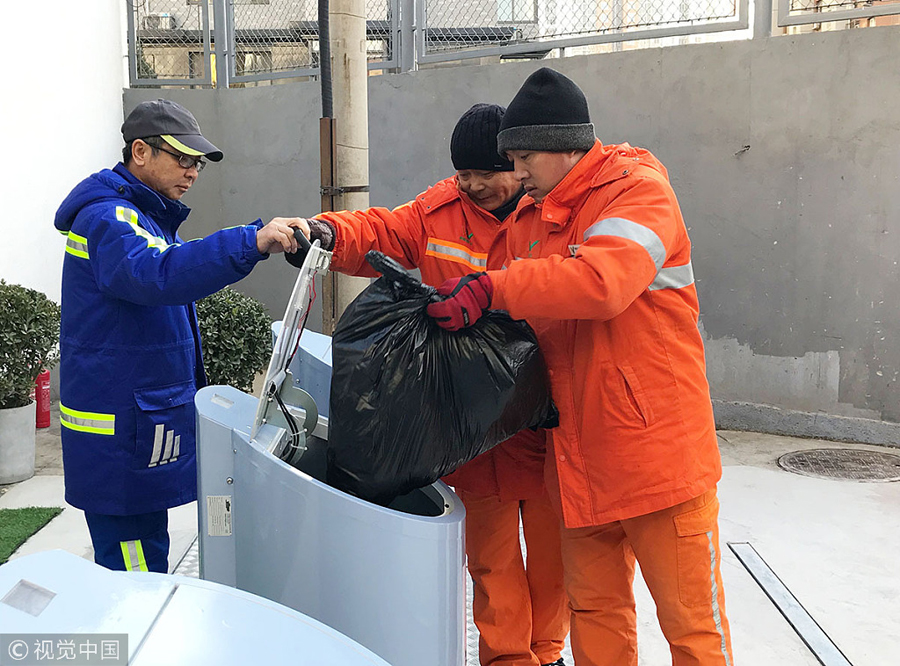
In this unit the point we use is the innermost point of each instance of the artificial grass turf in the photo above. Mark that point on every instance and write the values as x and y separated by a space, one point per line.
16 525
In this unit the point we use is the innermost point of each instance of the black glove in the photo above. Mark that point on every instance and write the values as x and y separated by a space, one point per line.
319 230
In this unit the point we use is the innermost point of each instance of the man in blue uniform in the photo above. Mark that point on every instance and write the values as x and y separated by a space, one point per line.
131 353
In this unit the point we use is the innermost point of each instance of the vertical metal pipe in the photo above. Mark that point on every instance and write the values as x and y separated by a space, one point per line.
134 51
421 29
407 36
326 174
206 31
326 156
224 46
325 60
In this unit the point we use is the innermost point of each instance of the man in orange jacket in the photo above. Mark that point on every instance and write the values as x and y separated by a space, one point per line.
597 259
521 611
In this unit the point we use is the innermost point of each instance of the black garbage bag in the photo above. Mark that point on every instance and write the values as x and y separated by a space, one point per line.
411 402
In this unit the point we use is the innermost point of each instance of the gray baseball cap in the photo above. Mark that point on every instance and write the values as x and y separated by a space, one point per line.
173 123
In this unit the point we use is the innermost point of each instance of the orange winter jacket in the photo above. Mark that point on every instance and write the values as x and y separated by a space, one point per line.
601 269
445 235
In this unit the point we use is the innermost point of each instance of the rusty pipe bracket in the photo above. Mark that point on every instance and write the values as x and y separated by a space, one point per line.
330 191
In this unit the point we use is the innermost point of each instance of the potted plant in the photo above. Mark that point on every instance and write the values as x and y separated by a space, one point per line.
29 337
237 341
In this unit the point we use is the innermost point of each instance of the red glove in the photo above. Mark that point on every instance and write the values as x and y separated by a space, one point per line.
468 298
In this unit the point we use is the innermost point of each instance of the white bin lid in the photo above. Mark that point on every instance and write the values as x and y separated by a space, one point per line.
168 619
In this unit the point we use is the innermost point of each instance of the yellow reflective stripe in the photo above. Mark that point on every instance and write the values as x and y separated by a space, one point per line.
81 428
93 422
133 555
175 143
126 215
77 253
457 253
121 216
64 233
77 245
130 216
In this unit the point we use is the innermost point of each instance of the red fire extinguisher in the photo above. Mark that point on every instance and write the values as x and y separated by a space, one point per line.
42 399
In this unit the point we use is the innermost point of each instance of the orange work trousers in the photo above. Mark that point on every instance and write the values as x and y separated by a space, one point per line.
678 552
520 607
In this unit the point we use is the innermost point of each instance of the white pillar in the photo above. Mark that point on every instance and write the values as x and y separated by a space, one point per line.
351 111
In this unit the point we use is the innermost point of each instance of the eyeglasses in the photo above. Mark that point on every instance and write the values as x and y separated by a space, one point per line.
184 161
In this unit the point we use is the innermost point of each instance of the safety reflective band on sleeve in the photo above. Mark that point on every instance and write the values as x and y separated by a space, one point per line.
456 253
77 245
674 277
131 217
133 554
98 424
638 233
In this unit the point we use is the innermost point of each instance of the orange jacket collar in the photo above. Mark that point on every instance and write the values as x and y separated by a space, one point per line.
600 166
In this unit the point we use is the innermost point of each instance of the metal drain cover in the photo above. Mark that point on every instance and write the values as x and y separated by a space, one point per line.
847 464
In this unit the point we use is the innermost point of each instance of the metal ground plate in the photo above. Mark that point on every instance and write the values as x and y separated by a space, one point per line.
843 464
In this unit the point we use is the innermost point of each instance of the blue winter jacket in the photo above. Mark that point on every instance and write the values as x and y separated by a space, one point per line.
131 355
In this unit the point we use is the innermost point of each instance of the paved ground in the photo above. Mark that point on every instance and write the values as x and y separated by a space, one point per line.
834 544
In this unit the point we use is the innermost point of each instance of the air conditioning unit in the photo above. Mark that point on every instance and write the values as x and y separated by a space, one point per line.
159 21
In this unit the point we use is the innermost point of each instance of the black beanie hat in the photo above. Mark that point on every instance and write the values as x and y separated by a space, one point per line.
549 113
474 141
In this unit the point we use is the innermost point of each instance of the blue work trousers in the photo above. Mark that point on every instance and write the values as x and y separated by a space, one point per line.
131 543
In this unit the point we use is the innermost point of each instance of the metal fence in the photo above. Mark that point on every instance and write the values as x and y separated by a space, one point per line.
476 28
238 42
169 42
245 42
805 12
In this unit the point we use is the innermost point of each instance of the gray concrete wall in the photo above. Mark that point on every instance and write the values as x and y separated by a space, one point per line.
270 137
784 152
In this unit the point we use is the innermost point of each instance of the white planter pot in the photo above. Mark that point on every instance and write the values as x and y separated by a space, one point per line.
17 444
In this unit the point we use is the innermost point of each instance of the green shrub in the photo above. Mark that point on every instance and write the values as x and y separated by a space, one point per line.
237 338
29 341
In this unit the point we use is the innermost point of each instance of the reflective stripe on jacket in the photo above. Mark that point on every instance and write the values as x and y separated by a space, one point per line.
445 235
602 272
131 355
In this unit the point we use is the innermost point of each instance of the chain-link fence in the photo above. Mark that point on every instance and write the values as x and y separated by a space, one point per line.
382 23
805 12
170 41
540 25
238 42
272 38
833 5
179 42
